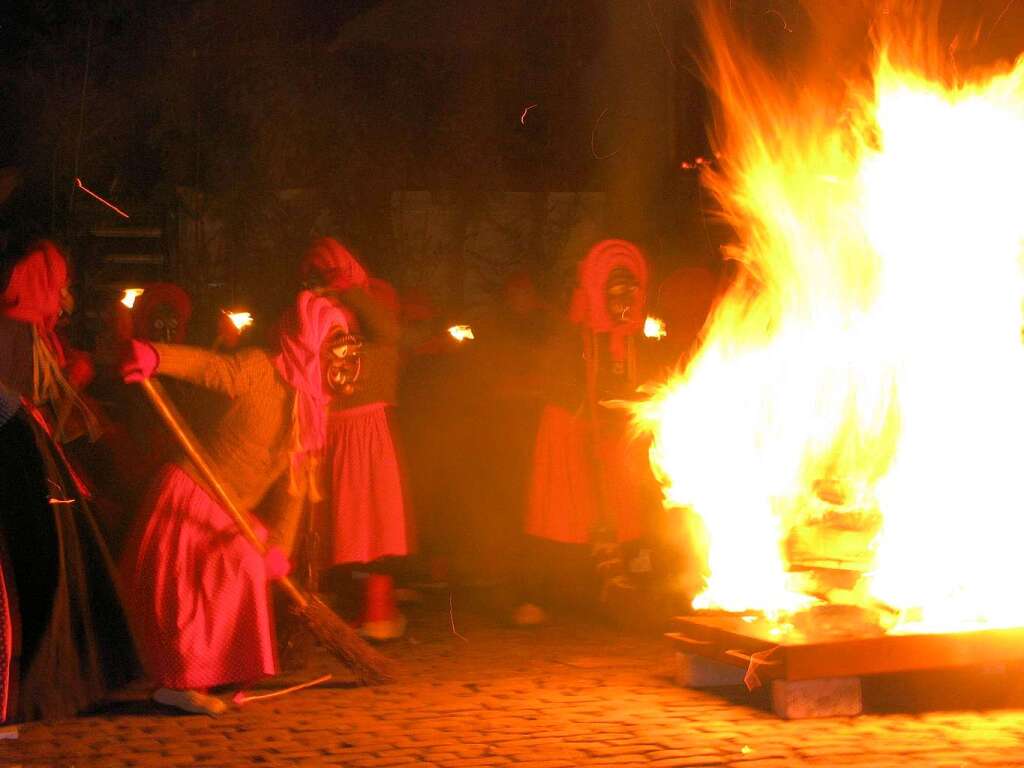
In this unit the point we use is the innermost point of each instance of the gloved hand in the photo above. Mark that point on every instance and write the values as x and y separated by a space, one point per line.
139 361
276 564
78 370
332 266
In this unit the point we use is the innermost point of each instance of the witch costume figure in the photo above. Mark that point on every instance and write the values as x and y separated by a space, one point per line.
162 313
66 642
589 482
199 589
365 495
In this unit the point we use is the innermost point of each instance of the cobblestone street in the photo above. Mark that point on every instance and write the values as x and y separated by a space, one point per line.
474 693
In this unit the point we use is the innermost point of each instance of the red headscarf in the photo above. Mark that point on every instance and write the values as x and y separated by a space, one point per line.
157 295
590 303
335 263
33 293
302 335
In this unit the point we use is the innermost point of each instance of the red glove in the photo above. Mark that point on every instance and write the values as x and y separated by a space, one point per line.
276 564
79 370
335 264
139 361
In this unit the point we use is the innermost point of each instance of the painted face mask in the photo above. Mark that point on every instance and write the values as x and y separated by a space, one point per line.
164 325
341 361
621 295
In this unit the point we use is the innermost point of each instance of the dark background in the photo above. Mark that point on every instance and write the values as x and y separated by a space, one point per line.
232 131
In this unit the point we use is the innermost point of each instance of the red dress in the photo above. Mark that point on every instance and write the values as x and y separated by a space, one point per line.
198 589
365 497
366 500
202 589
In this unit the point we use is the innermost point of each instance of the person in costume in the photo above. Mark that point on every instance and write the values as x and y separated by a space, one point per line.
67 642
199 589
507 403
365 497
162 313
589 484
438 433
34 362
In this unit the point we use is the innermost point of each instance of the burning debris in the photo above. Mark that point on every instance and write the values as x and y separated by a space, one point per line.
847 437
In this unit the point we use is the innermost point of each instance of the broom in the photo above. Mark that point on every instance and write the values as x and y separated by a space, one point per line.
327 627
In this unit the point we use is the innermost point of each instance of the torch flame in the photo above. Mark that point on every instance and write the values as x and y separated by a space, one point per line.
461 332
654 328
866 364
130 295
241 320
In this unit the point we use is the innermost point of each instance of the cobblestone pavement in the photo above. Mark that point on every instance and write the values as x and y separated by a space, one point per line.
474 693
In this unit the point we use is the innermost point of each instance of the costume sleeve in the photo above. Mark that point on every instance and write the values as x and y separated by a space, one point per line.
561 369
379 323
284 513
231 375
16 356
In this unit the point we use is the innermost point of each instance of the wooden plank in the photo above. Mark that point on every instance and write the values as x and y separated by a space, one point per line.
903 653
803 658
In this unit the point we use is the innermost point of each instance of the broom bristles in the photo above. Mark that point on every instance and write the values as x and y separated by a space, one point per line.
344 642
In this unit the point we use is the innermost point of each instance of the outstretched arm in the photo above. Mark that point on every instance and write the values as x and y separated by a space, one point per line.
230 374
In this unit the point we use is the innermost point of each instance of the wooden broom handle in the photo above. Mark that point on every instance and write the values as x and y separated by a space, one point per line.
154 391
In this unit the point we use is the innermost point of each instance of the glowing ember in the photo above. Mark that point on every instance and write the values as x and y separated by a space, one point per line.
461 332
130 295
654 328
241 320
856 407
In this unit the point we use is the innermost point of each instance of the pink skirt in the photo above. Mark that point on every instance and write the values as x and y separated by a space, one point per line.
198 591
365 500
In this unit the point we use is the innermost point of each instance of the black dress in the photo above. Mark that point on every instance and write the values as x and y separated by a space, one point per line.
71 643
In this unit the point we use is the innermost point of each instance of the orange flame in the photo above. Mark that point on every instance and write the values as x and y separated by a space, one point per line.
860 389
654 328
241 320
130 295
461 333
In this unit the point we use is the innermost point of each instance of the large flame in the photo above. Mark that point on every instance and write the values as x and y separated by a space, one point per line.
867 363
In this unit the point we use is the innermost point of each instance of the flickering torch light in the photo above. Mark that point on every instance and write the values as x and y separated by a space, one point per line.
654 328
241 320
461 333
130 295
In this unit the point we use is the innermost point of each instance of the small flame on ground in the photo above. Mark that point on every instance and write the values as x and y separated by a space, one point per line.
241 320
130 295
461 332
654 328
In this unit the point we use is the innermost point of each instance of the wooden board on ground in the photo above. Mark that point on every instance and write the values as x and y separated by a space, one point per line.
733 639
